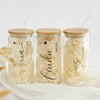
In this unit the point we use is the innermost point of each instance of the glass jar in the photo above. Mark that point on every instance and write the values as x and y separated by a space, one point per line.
48 61
76 46
20 67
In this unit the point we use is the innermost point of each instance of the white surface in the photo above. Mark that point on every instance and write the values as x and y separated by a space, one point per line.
37 91
72 13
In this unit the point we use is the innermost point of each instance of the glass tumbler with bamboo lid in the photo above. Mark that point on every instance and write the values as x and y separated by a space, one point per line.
48 61
75 57
20 67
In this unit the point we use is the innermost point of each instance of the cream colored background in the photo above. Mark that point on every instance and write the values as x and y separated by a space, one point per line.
52 13
42 13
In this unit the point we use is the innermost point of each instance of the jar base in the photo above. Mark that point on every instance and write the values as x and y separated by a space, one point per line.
75 83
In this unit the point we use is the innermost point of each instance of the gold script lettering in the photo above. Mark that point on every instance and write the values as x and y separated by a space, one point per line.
49 67
22 54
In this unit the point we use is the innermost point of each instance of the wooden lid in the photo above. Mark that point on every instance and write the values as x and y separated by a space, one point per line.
76 31
48 31
21 31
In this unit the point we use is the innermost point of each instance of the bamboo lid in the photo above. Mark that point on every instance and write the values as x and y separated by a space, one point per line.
48 31
21 31
76 31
